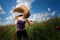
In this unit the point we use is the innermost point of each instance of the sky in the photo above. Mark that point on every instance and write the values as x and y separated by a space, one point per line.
40 9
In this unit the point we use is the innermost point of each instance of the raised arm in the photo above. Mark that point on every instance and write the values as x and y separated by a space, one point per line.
28 23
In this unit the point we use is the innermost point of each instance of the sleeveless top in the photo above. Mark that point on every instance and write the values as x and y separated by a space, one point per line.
21 24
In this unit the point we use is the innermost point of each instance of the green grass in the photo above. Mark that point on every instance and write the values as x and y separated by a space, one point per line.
47 30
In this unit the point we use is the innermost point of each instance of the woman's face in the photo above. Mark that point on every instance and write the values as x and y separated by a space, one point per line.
25 15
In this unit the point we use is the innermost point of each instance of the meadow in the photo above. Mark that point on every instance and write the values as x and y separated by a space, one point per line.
46 30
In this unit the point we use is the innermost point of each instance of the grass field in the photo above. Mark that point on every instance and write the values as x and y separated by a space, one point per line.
47 30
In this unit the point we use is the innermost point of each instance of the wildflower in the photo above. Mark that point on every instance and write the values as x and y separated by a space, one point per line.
57 27
1 32
0 27
44 23
10 38
51 19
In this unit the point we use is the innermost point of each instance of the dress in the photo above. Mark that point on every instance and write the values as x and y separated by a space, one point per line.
21 33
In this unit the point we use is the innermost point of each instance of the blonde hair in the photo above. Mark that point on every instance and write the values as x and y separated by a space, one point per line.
19 9
22 9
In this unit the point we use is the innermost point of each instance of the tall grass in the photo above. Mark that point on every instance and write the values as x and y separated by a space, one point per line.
47 30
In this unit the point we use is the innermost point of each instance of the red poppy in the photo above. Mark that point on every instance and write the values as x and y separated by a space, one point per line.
0 27
10 38
51 18
57 27
44 23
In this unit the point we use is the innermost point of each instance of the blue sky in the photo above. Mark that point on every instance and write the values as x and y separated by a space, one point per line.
37 7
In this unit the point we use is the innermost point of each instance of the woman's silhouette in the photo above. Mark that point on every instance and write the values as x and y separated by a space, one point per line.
20 22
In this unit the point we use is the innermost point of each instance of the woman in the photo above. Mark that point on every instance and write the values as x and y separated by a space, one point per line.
20 22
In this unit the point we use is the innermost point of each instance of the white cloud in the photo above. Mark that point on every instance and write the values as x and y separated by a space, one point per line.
9 22
53 13
11 11
39 17
9 18
42 16
24 2
49 9
3 23
19 3
2 11
13 7
0 22
59 15
0 18
0 8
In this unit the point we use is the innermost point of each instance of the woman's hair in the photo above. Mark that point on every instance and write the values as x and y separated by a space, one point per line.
22 10
19 9
27 15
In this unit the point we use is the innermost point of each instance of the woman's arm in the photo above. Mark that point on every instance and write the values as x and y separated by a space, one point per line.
28 23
